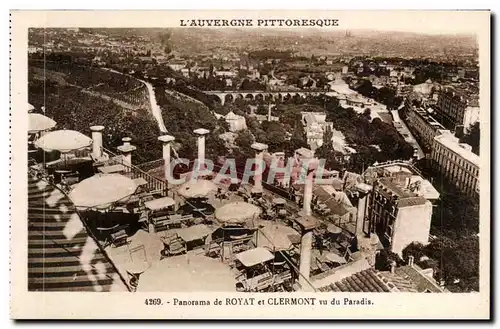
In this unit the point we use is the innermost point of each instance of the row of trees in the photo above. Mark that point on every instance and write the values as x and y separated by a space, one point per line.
384 95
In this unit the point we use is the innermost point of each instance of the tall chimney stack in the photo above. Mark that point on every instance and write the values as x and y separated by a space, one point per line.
97 141
308 186
166 141
259 162
201 132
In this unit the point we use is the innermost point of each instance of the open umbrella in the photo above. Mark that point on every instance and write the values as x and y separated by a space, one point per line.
197 189
101 191
276 237
39 122
63 141
152 244
188 273
236 212
30 107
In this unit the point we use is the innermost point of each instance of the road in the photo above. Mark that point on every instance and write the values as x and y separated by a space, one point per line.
407 135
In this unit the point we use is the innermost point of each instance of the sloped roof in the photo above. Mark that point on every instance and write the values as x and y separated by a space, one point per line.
364 281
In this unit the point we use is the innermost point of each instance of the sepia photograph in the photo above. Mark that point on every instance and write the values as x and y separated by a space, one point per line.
254 157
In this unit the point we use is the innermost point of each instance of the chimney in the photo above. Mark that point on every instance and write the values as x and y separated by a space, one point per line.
97 141
360 218
308 186
201 147
410 260
259 148
166 141
393 267
126 149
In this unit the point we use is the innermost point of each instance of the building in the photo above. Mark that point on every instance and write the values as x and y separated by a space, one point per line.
399 206
424 127
457 163
454 109
235 122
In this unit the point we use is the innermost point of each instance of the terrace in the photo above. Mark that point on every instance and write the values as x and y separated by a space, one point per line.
198 236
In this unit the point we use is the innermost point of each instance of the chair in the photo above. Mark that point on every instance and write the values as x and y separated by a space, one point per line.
119 238
174 245
139 249
160 223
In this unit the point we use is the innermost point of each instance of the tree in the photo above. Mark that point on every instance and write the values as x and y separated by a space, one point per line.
244 141
328 136
458 260
385 259
473 137
415 249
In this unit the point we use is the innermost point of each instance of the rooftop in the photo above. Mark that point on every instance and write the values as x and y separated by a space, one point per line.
451 142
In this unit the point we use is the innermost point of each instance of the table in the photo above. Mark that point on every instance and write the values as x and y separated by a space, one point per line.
254 256
160 203
140 181
195 232
112 169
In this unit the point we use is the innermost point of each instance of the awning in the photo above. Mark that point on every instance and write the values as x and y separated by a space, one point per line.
279 201
100 191
334 258
161 203
276 237
39 122
254 256
237 212
63 141
197 189
334 229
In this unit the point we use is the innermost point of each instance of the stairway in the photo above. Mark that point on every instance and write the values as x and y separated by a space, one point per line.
61 255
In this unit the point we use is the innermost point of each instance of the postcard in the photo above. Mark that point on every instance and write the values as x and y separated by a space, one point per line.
250 164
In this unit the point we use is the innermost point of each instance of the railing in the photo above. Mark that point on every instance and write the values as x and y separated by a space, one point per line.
400 162
147 166
153 183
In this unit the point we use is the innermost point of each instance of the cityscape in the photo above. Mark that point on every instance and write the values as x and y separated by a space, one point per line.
252 160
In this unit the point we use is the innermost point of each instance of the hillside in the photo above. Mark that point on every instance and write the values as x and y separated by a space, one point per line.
79 97
183 114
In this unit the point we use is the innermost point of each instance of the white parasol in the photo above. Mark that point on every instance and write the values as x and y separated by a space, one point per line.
101 191
237 212
197 189
276 237
188 273
39 122
63 141
152 244
30 107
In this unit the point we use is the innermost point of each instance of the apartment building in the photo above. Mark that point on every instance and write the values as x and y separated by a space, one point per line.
453 109
424 127
399 205
457 163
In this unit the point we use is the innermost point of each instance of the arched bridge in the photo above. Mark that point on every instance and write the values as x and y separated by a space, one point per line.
231 96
